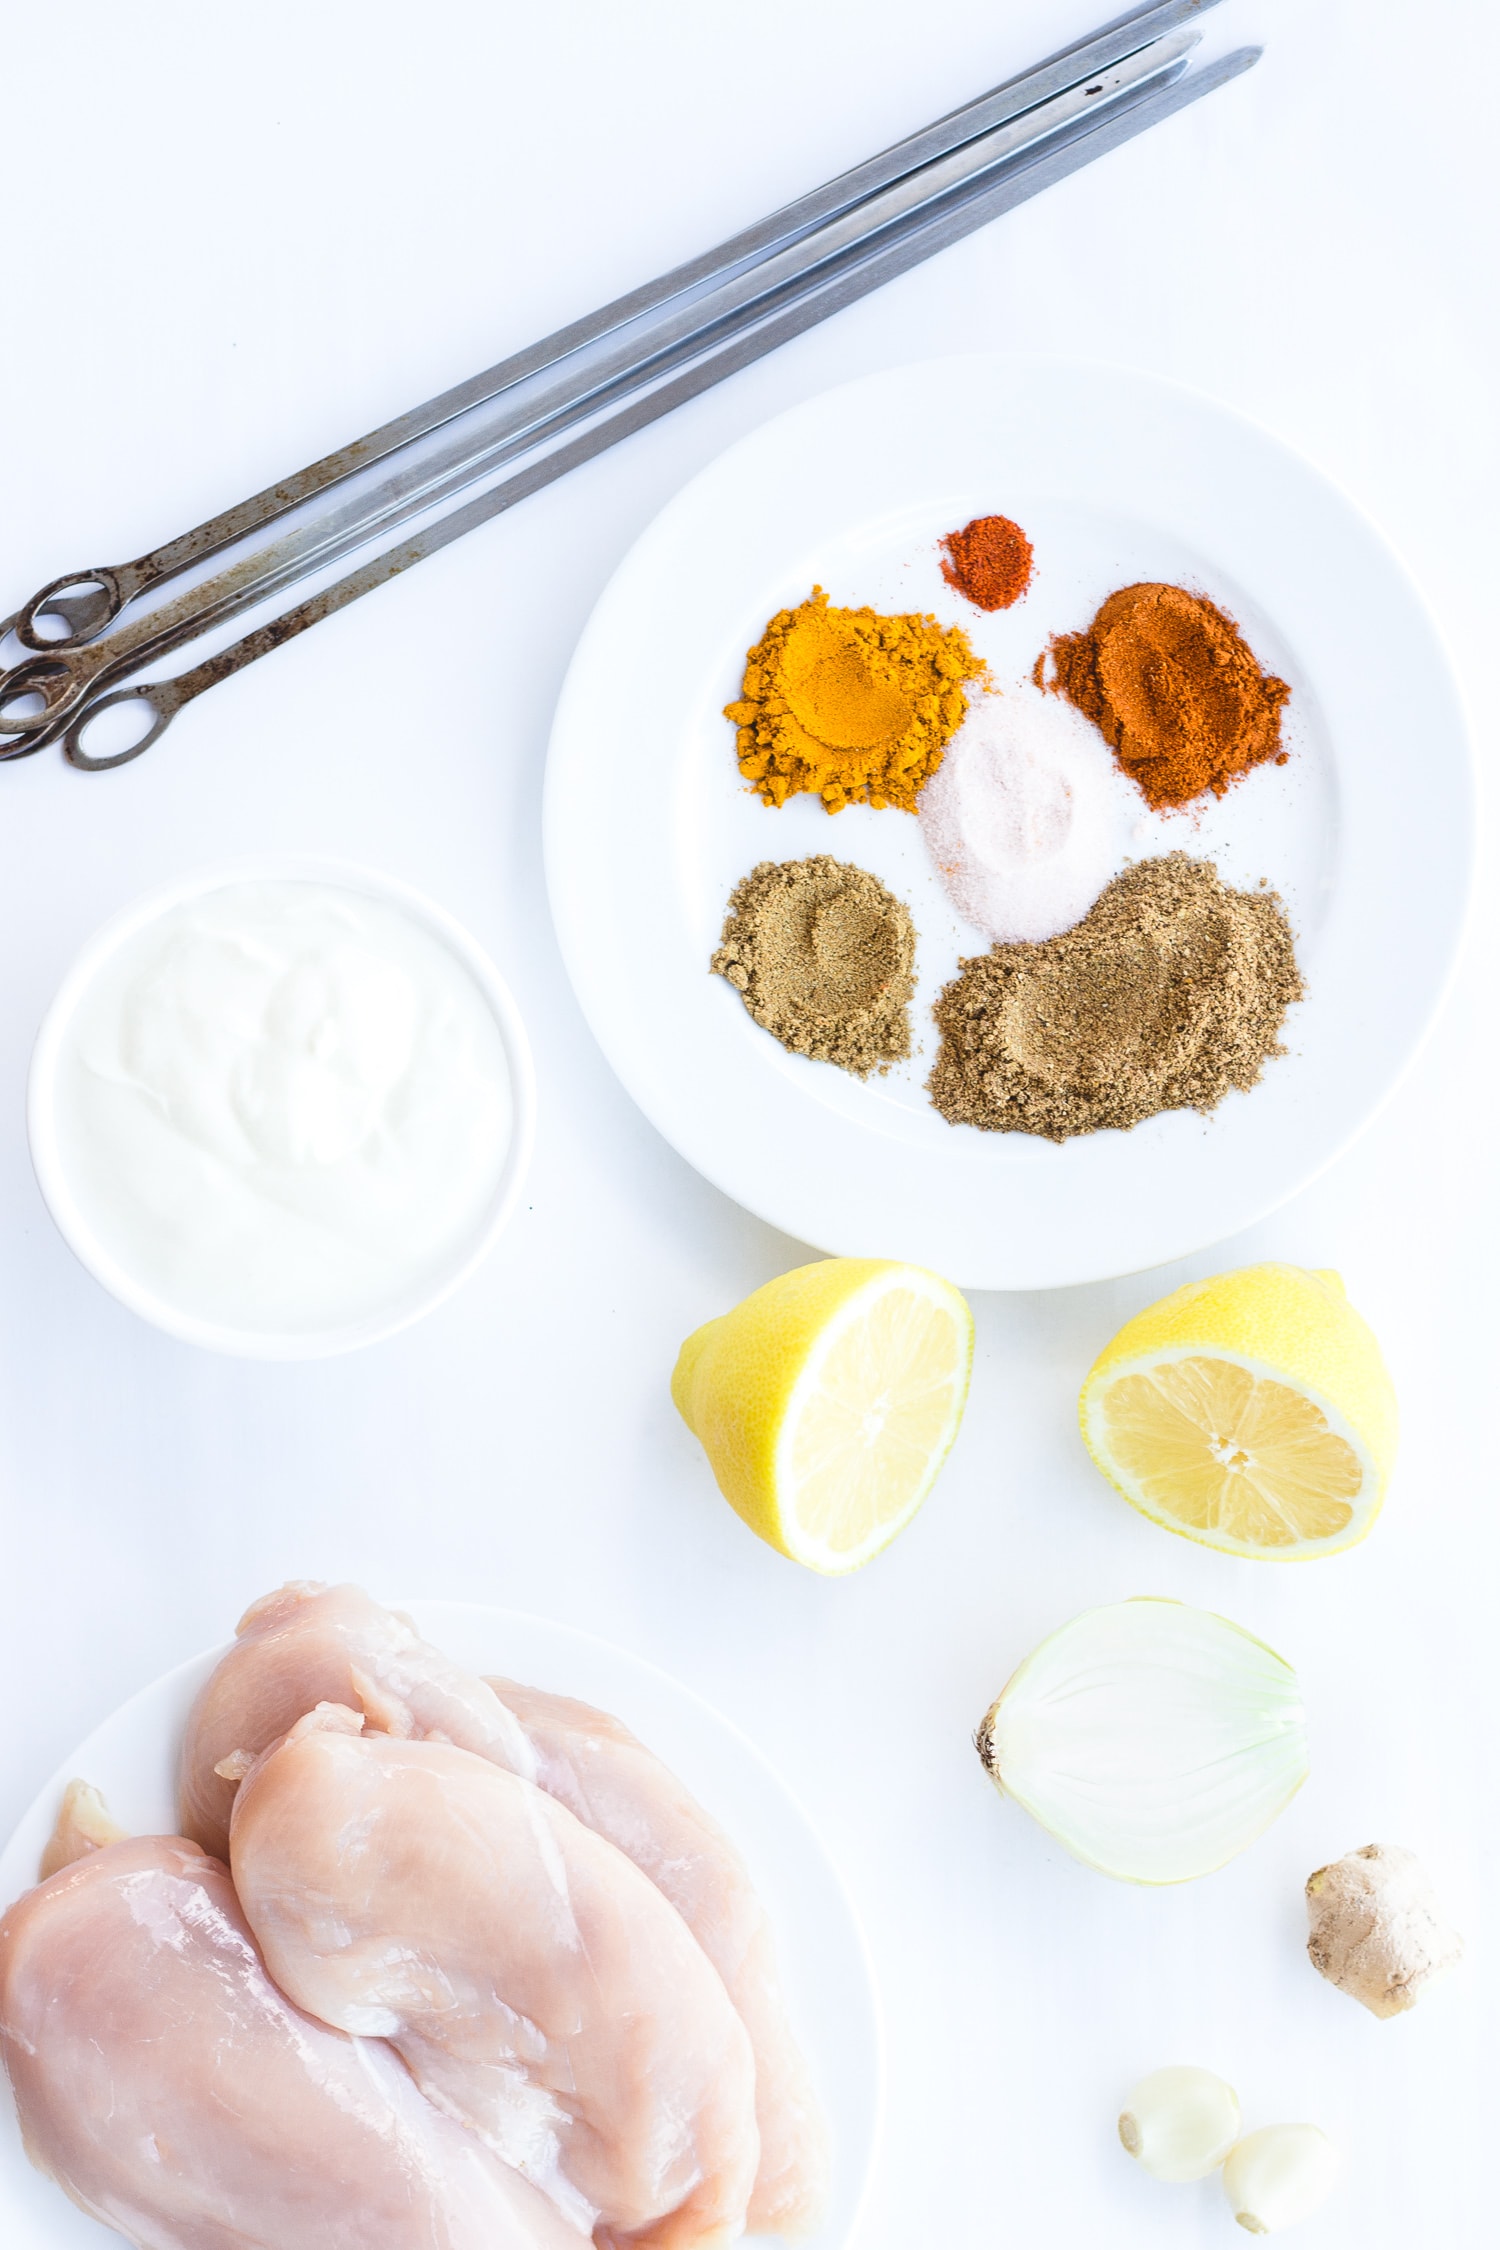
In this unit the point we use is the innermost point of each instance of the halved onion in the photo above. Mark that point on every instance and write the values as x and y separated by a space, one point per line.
1154 1740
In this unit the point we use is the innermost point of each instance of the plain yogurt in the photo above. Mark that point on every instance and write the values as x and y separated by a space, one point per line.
282 1107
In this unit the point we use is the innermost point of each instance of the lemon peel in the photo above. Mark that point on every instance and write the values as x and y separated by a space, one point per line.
827 1401
1251 1412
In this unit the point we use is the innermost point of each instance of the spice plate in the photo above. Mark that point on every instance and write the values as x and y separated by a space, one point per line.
132 1759
1116 478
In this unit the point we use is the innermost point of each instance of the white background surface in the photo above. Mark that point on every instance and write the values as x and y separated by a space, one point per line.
235 238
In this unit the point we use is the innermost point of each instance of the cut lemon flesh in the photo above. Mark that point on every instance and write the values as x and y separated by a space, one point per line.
1251 1412
827 1401
1241 1459
868 1424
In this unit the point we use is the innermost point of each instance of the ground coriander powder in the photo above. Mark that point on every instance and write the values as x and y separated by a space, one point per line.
1172 990
821 953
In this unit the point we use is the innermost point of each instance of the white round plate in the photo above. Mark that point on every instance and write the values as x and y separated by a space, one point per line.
1366 831
133 1757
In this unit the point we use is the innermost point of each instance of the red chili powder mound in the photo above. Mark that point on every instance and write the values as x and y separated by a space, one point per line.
989 561
1174 688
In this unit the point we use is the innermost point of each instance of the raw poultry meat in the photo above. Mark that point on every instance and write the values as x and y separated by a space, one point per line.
539 1987
309 1644
170 2089
617 1787
84 1824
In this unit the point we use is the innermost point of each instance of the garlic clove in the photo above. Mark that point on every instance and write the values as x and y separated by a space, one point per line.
1180 2123
1279 2175
1376 1929
1152 1739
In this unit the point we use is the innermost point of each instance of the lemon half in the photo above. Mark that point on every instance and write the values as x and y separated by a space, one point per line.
1252 1413
827 1401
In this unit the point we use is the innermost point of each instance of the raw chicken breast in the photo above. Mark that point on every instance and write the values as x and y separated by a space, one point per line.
539 1987
615 1786
84 1824
308 1644
167 2086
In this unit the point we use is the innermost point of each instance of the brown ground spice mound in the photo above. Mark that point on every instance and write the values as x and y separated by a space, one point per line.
1174 688
1171 990
821 954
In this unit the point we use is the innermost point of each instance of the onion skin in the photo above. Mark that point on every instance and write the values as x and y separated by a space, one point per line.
984 1743
1152 1739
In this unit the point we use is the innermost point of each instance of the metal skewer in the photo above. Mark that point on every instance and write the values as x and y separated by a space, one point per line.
101 594
729 318
527 416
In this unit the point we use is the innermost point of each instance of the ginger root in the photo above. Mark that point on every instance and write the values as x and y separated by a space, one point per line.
1376 1930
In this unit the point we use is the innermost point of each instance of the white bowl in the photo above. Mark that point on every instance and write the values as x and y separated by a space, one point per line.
252 1343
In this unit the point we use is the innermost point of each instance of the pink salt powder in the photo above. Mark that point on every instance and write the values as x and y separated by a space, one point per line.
1028 816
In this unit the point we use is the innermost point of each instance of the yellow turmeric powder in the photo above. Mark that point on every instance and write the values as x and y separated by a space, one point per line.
850 706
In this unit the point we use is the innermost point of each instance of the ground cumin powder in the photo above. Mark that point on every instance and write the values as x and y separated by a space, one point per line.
1171 990
821 954
1174 688
848 705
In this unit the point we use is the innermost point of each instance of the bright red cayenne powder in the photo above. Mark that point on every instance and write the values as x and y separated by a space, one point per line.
989 561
